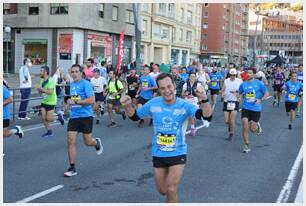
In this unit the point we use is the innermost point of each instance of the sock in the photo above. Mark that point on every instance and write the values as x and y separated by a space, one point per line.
14 131
72 166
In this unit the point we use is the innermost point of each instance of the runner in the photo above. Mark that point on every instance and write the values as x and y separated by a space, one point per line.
145 91
252 93
155 71
81 120
47 89
114 90
214 86
7 100
170 115
179 82
277 84
231 102
300 79
132 84
190 93
294 91
99 84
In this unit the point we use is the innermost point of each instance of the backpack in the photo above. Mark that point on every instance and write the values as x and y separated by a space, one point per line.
193 89
116 85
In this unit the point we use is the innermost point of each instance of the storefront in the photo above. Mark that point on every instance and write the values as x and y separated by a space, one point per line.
100 47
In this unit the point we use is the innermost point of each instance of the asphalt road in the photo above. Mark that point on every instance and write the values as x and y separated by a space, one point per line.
216 171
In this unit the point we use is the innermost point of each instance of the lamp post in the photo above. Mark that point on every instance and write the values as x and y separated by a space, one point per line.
7 30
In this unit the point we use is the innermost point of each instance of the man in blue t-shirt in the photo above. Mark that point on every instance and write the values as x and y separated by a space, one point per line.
294 91
145 91
7 100
252 92
81 116
300 79
214 85
170 119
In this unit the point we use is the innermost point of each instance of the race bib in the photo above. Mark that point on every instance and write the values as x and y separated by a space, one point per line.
250 97
214 84
277 82
145 84
230 106
166 143
131 87
75 98
291 96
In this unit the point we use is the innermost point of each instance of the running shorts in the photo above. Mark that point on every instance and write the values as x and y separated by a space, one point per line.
214 91
82 125
142 101
162 162
290 106
250 115
99 97
6 123
47 107
227 107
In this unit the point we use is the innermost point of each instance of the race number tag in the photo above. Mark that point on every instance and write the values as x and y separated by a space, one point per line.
75 98
214 84
291 96
166 142
131 87
231 106
250 97
277 81
145 84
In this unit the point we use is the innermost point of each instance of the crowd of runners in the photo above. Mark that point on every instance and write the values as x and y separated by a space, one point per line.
170 102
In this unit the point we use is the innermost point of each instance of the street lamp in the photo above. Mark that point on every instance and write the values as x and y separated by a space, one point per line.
7 30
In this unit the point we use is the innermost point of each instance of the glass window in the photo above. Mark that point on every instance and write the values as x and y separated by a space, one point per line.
205 26
205 14
33 10
145 27
115 13
59 9
9 9
129 17
161 8
181 35
173 33
157 30
182 15
189 17
205 36
36 50
188 36
101 10
171 10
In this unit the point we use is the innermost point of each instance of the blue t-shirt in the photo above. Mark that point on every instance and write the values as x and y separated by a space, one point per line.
251 91
300 77
184 76
170 124
292 91
6 108
147 82
215 79
81 90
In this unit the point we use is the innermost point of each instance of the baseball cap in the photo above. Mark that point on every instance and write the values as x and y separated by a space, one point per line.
233 71
96 70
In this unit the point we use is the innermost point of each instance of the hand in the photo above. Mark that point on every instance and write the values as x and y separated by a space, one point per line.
125 100
136 96
257 101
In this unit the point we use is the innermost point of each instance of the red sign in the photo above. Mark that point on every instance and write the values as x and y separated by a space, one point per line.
120 52
101 40
65 43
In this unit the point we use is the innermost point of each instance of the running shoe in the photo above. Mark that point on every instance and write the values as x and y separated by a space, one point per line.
123 115
290 127
151 122
193 132
230 137
274 102
99 147
70 172
259 129
60 118
112 124
19 131
246 148
49 133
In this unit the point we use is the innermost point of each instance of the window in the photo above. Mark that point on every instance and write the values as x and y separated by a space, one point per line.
189 17
115 13
182 15
173 33
101 10
205 36
9 9
205 26
129 17
171 10
33 10
145 27
181 35
36 50
165 33
188 36
161 8
59 9
145 7
205 14
206 4
157 30
204 47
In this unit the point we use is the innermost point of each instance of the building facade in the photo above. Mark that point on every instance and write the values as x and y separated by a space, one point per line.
278 32
170 33
56 34
224 33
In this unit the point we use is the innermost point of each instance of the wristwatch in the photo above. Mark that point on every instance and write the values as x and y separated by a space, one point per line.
204 101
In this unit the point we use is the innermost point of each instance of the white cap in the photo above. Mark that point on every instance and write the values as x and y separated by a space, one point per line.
233 71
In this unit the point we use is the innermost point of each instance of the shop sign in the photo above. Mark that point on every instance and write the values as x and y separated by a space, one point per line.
65 46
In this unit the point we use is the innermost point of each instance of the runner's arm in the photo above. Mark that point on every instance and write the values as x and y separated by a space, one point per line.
8 101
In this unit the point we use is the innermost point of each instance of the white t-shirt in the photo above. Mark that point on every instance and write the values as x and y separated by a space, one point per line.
154 75
23 73
98 84
231 86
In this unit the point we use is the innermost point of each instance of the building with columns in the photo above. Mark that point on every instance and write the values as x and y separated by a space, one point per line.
170 33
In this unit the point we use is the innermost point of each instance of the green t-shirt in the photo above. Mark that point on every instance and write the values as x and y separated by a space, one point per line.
112 88
51 98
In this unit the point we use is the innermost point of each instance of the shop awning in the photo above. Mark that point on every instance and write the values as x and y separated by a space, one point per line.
34 41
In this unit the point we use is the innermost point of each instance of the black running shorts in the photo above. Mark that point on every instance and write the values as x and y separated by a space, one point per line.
162 162
291 106
225 109
6 123
250 115
142 101
47 107
214 91
99 97
82 125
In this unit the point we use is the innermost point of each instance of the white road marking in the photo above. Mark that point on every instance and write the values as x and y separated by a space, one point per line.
299 194
284 194
42 126
43 193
